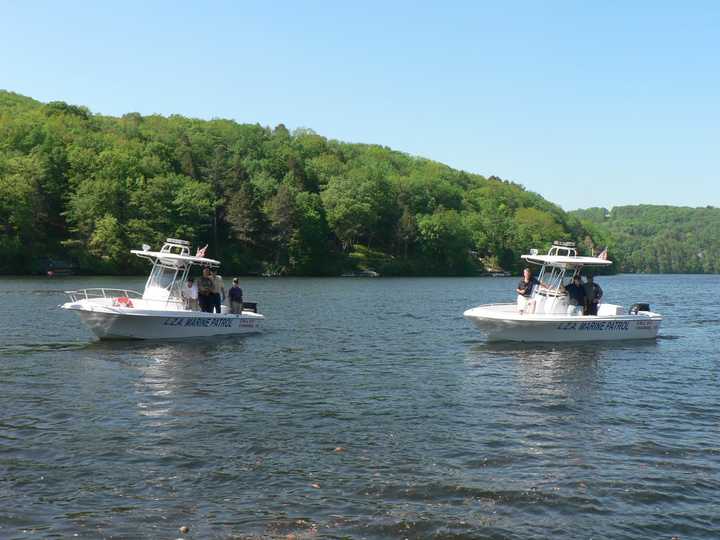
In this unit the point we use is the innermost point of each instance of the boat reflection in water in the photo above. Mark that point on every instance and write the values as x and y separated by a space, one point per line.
561 403
561 373
167 387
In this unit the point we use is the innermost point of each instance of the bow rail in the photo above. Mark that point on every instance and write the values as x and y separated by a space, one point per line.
101 292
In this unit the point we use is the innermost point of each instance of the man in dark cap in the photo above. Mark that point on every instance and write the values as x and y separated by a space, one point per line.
576 294
593 295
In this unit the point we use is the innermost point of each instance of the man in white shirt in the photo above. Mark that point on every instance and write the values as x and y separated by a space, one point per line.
189 295
219 291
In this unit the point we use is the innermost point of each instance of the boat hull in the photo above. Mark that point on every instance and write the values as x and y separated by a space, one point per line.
119 324
503 323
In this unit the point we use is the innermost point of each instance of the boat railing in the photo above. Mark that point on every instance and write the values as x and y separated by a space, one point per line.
101 292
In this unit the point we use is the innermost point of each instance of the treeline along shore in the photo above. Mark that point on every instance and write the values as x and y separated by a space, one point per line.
86 188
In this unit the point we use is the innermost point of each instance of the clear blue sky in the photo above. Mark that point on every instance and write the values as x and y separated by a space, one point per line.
586 103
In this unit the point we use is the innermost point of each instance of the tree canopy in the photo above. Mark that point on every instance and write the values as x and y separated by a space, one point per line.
657 239
88 188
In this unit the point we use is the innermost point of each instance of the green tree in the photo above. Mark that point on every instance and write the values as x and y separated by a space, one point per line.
310 250
107 243
19 206
446 240
282 213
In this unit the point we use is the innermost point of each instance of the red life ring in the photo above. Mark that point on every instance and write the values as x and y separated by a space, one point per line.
123 301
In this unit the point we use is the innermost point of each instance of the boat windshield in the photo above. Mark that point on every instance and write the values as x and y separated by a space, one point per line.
164 282
162 276
552 277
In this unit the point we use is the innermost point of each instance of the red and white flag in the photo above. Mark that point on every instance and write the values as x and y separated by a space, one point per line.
603 255
201 251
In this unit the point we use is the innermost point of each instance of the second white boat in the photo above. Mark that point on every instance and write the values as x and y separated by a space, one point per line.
549 316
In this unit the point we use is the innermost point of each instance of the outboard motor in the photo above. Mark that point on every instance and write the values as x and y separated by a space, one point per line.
635 308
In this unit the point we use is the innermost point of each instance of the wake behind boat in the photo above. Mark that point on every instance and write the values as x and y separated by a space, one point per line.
159 312
548 315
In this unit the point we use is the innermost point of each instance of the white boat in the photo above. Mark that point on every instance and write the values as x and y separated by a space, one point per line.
549 317
159 312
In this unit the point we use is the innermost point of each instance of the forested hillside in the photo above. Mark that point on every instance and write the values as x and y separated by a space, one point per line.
658 239
88 188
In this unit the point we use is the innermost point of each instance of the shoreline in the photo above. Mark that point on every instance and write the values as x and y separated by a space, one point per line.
315 276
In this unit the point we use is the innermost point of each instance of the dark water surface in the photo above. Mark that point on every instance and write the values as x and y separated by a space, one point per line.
368 409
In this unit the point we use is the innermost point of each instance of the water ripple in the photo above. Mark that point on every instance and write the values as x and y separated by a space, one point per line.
382 415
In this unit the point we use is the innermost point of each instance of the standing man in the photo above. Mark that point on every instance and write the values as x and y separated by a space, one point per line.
189 294
525 290
236 298
576 292
205 291
218 291
593 295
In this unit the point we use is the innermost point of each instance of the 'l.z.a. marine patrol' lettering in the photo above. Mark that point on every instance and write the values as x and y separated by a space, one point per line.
205 322
621 326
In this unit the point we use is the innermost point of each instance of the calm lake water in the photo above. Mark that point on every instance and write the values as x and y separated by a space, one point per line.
368 409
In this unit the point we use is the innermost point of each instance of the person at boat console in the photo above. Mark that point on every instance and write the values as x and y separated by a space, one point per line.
236 297
525 290
576 296
593 295
205 291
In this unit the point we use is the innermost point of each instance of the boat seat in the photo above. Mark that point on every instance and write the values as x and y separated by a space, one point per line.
610 309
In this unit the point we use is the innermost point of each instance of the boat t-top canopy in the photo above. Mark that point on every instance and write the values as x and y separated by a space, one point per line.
174 253
565 261
173 259
564 255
